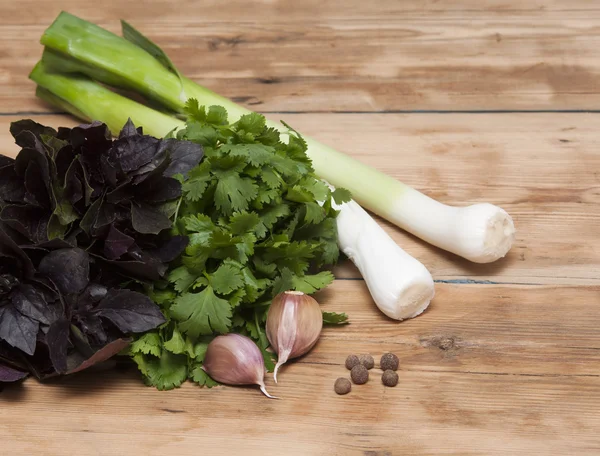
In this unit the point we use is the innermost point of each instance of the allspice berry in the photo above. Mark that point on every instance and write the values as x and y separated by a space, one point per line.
389 361
359 374
367 361
342 386
389 378
351 361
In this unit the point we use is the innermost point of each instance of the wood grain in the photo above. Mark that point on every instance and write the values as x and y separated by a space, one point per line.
460 399
348 56
543 168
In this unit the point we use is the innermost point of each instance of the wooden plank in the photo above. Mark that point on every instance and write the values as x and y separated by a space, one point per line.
349 56
543 168
440 407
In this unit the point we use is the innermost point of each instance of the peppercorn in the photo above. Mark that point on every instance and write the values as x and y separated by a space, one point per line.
389 361
351 361
342 386
367 361
389 378
359 374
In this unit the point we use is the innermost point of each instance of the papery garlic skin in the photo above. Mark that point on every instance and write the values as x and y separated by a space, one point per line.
294 324
233 359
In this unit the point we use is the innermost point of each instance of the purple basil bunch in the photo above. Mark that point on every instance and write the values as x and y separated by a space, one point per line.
80 215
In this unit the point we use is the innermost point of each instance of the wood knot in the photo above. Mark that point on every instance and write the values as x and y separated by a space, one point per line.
444 343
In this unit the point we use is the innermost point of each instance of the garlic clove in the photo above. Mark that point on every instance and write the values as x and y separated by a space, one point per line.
294 324
234 359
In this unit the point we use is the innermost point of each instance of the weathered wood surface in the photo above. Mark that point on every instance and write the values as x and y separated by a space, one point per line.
486 370
509 367
350 56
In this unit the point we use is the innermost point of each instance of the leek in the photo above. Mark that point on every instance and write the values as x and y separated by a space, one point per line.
481 233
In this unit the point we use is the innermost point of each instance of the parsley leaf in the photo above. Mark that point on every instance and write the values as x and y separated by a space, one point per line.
202 313
333 318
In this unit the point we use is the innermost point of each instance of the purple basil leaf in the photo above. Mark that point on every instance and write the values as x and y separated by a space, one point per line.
95 133
63 160
128 130
130 311
35 155
73 187
159 191
6 161
57 341
116 243
89 218
106 215
9 248
8 374
30 221
133 152
69 269
77 364
91 326
148 220
31 303
109 171
36 129
37 193
12 189
91 296
149 268
185 155
17 330
171 249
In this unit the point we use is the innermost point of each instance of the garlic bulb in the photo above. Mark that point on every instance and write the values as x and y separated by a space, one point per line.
294 323
235 360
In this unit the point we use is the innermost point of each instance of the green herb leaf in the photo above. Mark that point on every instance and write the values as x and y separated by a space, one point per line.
202 313
333 318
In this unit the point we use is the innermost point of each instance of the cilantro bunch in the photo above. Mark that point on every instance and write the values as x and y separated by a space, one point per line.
258 221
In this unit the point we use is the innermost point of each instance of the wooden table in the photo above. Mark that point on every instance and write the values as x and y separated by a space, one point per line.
468 101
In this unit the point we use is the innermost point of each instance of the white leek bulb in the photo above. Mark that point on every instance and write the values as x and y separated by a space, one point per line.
399 284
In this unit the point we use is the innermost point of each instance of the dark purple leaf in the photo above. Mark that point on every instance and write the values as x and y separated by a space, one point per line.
63 160
92 295
17 330
89 218
106 215
128 130
38 156
30 221
31 303
146 219
73 186
6 161
106 352
116 243
28 125
185 155
69 269
130 311
159 191
93 328
133 152
149 268
12 188
57 341
9 248
171 249
37 193
96 134
8 374
109 171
